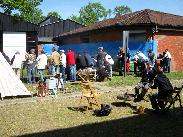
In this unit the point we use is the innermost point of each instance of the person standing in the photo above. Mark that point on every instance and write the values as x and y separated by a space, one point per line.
135 61
121 60
128 63
100 57
55 62
31 61
88 59
108 64
80 62
62 64
71 65
16 63
151 56
168 58
41 64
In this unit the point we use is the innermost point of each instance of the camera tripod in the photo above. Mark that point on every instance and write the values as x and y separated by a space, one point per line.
59 82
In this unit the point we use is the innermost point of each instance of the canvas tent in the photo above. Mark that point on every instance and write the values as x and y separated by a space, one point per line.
10 84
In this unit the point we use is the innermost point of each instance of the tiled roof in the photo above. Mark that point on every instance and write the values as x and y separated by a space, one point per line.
135 18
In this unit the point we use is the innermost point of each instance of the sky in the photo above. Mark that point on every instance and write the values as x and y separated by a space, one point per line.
68 7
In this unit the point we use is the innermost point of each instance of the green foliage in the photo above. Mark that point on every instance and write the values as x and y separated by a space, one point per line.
90 14
120 10
75 18
24 9
94 12
54 13
35 17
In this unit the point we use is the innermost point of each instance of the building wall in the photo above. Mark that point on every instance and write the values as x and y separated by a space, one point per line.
72 40
173 41
104 36
166 40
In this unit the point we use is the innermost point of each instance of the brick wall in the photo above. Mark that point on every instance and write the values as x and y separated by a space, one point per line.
173 41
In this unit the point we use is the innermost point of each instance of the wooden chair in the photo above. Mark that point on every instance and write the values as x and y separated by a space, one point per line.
169 101
88 93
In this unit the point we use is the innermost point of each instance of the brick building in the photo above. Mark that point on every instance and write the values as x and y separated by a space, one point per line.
145 25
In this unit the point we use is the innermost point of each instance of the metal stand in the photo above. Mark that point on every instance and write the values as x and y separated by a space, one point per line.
59 81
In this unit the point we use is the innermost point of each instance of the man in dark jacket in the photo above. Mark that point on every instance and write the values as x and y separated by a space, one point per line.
80 62
164 90
100 57
121 60
88 59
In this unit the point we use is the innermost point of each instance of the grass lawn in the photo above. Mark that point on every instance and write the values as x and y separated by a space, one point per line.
59 116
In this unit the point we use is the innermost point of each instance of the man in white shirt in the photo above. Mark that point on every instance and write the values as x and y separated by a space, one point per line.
62 64
169 58
108 61
142 56
135 59
41 64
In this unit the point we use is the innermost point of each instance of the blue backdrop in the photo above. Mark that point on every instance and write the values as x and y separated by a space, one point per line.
110 47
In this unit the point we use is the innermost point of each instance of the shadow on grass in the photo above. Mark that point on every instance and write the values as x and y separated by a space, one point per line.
124 104
145 125
81 109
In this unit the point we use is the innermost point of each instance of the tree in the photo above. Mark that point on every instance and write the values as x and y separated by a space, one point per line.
26 9
75 18
120 10
109 13
35 17
54 13
90 14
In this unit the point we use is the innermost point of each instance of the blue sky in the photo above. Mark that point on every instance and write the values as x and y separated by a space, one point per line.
68 7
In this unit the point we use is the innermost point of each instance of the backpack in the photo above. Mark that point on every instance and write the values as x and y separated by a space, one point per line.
104 111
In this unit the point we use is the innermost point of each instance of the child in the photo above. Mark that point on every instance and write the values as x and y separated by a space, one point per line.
41 89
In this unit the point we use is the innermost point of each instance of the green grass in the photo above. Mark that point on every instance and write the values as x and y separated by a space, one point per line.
58 117
117 81
132 80
123 81
175 75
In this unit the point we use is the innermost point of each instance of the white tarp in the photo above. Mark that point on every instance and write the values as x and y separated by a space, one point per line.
14 41
10 84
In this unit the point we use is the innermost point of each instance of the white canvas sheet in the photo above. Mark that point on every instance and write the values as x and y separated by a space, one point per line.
10 84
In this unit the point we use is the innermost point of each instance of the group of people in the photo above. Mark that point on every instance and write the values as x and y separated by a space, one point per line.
151 70
154 79
152 76
104 64
59 63
142 62
122 61
165 60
